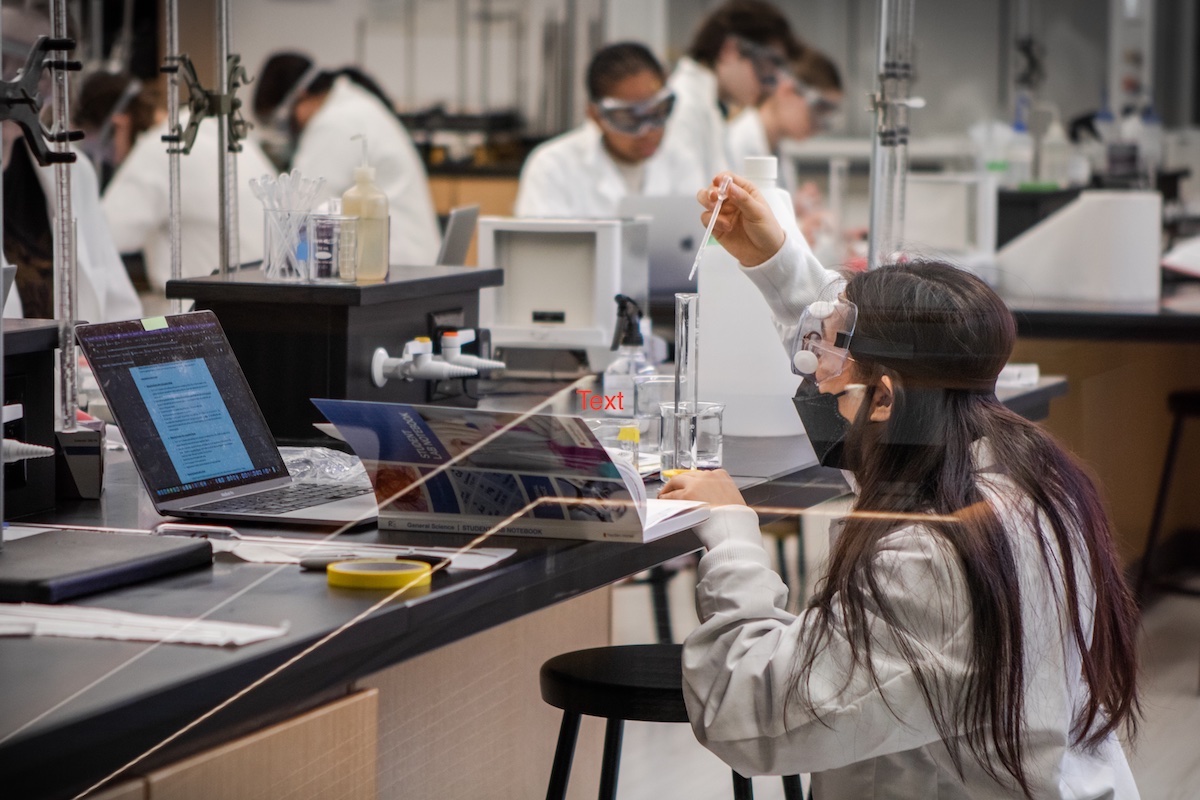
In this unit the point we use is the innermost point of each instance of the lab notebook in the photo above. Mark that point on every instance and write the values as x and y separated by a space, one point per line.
467 471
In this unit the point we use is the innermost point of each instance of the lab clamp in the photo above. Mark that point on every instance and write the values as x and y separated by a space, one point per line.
20 103
419 362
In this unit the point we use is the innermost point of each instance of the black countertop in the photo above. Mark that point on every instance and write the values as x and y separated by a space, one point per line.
1176 318
403 283
74 711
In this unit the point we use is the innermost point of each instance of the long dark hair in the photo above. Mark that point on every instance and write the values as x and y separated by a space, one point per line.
943 335
282 71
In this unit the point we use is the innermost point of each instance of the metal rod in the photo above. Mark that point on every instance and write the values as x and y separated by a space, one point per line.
174 206
14 288
463 12
64 230
226 158
889 148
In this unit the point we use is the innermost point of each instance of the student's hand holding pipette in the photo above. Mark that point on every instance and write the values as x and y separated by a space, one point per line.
744 225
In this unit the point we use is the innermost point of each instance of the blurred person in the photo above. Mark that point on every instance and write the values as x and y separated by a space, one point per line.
137 199
616 152
311 114
733 61
103 290
805 102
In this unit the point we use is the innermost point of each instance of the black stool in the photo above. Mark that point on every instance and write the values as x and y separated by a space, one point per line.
635 682
1182 405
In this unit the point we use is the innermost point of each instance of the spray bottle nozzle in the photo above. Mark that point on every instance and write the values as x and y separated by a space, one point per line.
629 317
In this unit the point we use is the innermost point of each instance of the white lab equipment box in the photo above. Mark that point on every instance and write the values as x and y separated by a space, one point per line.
560 280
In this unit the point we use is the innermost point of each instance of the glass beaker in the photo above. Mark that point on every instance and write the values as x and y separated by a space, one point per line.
285 245
649 393
692 436
333 253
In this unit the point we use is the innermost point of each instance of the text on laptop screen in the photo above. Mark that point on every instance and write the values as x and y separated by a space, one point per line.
179 396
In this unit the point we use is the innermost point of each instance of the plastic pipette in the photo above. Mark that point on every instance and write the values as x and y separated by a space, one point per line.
722 193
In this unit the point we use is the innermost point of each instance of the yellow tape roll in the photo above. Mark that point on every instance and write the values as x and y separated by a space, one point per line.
378 573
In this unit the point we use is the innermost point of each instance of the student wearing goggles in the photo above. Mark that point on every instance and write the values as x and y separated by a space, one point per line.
953 641
616 152
731 64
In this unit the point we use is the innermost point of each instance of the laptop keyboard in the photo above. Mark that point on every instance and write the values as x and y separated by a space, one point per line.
292 497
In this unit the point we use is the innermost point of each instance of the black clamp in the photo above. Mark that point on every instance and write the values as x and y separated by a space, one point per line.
20 102
203 104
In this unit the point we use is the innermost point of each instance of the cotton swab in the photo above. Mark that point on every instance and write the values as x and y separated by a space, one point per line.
722 193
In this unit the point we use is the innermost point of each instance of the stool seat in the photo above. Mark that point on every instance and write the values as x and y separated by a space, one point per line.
1184 403
633 682
642 682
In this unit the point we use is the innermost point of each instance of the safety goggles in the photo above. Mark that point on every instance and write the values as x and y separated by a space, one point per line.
635 119
769 64
824 112
821 345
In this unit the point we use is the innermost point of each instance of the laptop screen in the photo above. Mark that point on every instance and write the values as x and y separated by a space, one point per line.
675 234
180 398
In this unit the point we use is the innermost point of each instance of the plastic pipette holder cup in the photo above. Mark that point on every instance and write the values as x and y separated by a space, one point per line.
692 437
285 245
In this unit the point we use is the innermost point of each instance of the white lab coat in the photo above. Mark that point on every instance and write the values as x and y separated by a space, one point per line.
137 204
696 129
737 665
103 290
325 150
747 137
573 175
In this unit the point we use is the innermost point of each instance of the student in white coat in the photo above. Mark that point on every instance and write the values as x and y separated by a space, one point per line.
103 290
732 61
585 172
137 199
321 110
803 103
974 636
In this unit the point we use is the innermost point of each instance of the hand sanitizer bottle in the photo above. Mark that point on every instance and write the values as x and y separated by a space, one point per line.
367 201
631 359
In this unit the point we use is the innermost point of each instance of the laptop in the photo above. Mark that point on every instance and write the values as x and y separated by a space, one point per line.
675 234
196 434
460 229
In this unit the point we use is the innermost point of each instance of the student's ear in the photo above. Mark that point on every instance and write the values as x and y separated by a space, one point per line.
881 400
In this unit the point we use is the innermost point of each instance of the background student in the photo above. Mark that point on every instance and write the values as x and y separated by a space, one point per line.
616 152
312 115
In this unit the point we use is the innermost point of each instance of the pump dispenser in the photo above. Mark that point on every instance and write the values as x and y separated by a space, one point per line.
367 201
631 359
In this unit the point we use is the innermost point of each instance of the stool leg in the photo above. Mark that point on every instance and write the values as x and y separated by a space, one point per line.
659 578
611 764
560 773
781 554
1160 505
742 788
792 790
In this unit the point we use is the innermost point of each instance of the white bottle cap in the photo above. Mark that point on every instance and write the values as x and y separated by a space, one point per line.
761 168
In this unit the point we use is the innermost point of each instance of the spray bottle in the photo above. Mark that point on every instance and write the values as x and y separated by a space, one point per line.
631 359
367 201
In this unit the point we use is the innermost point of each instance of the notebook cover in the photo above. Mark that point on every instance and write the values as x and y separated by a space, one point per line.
58 565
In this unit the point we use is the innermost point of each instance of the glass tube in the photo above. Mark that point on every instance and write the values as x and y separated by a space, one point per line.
687 371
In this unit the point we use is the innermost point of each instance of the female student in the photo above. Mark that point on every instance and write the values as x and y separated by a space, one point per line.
732 62
974 637
318 111
585 172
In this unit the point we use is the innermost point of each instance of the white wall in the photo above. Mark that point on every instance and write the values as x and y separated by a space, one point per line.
960 50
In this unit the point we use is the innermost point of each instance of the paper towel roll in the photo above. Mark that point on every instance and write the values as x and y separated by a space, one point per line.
1104 246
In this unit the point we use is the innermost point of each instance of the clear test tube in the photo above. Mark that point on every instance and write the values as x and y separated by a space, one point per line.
687 373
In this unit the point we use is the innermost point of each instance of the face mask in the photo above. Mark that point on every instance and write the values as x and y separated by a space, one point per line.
826 428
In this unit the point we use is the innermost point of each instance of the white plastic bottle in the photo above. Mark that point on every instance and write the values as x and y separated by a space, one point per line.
631 360
367 201
763 172
1019 155
1055 165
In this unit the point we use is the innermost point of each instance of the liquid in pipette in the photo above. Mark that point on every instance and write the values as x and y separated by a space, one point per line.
722 193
